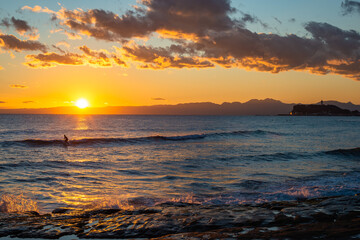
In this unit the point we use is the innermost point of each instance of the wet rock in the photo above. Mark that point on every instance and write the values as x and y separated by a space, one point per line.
300 219
282 219
104 211
62 210
324 218
32 213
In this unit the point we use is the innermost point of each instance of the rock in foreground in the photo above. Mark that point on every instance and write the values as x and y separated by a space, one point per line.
326 218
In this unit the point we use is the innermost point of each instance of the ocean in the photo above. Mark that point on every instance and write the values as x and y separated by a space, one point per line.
126 162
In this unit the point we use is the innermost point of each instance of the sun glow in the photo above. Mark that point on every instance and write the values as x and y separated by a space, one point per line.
82 103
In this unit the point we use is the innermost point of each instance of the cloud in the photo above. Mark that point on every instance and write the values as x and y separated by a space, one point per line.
158 99
350 7
52 59
59 49
278 20
330 50
96 57
246 17
160 58
28 102
63 43
2 102
22 27
37 8
186 17
90 57
17 86
10 42
205 33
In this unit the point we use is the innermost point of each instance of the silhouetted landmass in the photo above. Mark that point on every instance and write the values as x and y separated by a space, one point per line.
322 110
349 105
252 107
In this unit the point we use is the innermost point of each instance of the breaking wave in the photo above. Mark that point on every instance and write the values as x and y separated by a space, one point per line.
17 203
149 139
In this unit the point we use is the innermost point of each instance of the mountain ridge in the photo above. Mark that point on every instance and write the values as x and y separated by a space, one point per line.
266 106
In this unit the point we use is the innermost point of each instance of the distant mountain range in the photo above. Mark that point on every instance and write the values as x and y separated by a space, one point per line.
253 107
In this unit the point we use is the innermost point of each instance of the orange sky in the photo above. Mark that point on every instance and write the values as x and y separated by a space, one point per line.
51 55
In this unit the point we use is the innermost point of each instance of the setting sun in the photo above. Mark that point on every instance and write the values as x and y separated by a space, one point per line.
82 103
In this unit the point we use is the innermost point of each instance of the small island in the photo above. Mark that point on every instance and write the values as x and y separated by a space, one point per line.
321 110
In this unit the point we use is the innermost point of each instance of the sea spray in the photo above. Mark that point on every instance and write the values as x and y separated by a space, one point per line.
10 203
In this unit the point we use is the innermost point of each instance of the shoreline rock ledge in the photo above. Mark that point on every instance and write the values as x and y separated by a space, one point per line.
321 218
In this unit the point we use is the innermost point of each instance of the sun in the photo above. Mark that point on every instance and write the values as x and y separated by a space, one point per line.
82 103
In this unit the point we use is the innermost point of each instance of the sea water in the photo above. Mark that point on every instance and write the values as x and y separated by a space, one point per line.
116 161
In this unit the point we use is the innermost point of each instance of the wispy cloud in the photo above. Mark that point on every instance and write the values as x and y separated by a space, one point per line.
2 102
28 102
158 99
350 7
17 86
37 8
63 43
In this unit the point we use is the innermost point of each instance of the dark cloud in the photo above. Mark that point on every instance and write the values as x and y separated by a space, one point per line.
5 22
330 50
158 99
105 25
59 49
90 57
101 57
204 34
248 18
350 7
28 102
160 58
17 86
21 27
118 61
163 16
340 41
97 54
10 42
189 16
51 59
278 20
2 102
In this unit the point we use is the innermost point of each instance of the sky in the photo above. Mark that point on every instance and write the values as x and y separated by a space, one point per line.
149 52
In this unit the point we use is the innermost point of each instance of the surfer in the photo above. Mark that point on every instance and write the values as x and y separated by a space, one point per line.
66 140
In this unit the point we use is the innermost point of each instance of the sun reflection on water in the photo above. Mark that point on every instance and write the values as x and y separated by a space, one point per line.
82 122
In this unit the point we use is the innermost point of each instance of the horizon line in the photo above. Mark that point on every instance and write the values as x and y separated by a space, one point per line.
175 104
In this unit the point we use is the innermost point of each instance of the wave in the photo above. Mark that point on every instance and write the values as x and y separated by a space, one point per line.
16 203
353 152
149 139
285 156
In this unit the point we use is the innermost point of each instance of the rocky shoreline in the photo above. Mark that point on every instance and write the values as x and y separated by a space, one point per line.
321 218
